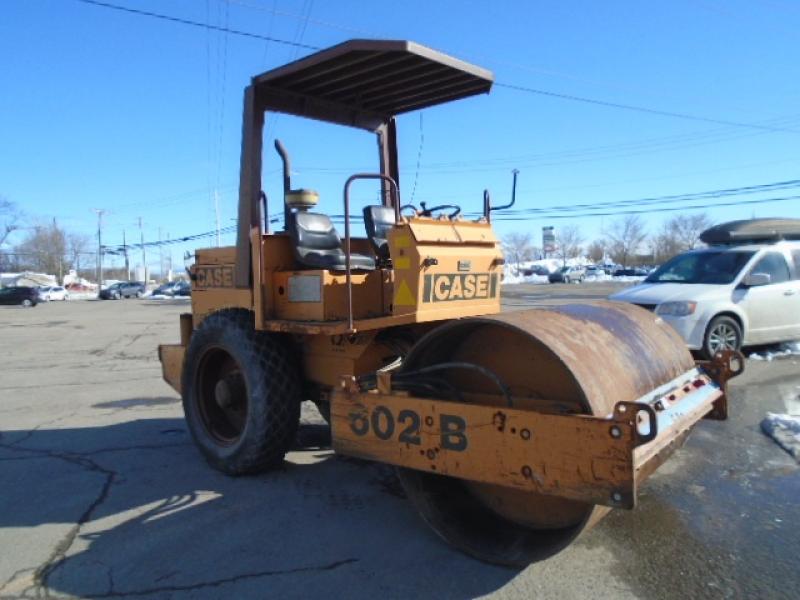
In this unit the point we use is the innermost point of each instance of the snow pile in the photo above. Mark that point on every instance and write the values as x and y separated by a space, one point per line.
84 295
785 430
510 277
27 279
629 278
784 349
600 277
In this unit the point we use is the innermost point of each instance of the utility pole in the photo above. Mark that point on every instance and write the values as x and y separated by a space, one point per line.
100 213
60 256
144 254
169 259
160 256
125 251
216 212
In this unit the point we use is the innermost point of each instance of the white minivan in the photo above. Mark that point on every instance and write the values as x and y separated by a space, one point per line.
727 296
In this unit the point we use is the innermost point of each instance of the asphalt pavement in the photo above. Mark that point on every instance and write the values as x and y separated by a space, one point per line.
103 495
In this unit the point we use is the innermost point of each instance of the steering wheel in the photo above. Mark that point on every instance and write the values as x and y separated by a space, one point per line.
411 206
428 212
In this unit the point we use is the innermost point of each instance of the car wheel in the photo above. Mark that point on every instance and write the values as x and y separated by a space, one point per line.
117 296
241 393
27 303
723 333
138 294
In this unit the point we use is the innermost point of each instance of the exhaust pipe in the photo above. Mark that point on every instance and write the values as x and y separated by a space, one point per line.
287 181
287 166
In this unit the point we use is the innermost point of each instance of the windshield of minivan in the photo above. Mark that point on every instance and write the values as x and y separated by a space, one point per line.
702 267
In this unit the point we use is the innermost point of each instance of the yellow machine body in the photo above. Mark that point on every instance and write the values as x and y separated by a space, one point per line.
512 432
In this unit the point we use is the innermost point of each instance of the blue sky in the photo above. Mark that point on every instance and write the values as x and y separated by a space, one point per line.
142 117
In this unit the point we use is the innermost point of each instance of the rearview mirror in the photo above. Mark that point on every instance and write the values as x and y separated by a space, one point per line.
757 279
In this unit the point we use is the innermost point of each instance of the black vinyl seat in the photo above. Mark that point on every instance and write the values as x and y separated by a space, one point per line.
378 220
317 245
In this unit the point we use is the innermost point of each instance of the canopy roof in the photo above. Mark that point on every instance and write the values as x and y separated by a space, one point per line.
363 83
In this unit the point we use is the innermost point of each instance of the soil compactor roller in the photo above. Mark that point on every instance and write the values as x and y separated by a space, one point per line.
512 432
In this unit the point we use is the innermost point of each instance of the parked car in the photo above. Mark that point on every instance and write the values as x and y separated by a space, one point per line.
535 270
567 275
637 272
78 287
173 288
48 293
727 296
594 271
184 289
26 296
123 289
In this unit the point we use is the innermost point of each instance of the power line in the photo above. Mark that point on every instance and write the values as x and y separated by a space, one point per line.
649 210
578 155
670 199
419 157
281 13
715 135
118 248
182 21
643 109
512 86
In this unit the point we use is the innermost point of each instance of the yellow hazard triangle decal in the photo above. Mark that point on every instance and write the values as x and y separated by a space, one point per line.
404 297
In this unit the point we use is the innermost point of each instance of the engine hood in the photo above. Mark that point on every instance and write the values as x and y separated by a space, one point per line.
656 293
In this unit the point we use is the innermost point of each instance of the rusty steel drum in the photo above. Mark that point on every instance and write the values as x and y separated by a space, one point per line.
573 358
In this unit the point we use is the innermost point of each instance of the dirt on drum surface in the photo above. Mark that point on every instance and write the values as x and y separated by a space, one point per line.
104 495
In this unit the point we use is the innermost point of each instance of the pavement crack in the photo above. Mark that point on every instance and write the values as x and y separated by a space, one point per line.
225 580
136 447
58 556
38 427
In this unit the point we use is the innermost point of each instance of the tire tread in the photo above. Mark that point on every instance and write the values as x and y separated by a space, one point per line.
273 380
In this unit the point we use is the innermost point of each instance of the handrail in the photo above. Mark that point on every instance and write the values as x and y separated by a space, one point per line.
514 172
351 179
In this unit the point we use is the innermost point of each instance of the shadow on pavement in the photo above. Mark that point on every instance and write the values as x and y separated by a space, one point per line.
156 520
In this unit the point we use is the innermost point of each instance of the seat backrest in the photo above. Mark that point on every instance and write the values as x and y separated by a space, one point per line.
313 231
378 220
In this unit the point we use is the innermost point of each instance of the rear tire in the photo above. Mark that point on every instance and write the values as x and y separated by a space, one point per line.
241 393
722 333
27 303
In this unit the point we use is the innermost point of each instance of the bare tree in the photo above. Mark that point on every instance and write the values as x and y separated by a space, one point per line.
625 235
44 249
597 250
665 246
77 244
569 242
687 229
518 247
679 234
10 218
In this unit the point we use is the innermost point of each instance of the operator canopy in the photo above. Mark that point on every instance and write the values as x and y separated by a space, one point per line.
364 83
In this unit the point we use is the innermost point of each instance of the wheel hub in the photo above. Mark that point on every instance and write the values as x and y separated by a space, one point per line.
723 338
228 390
222 396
